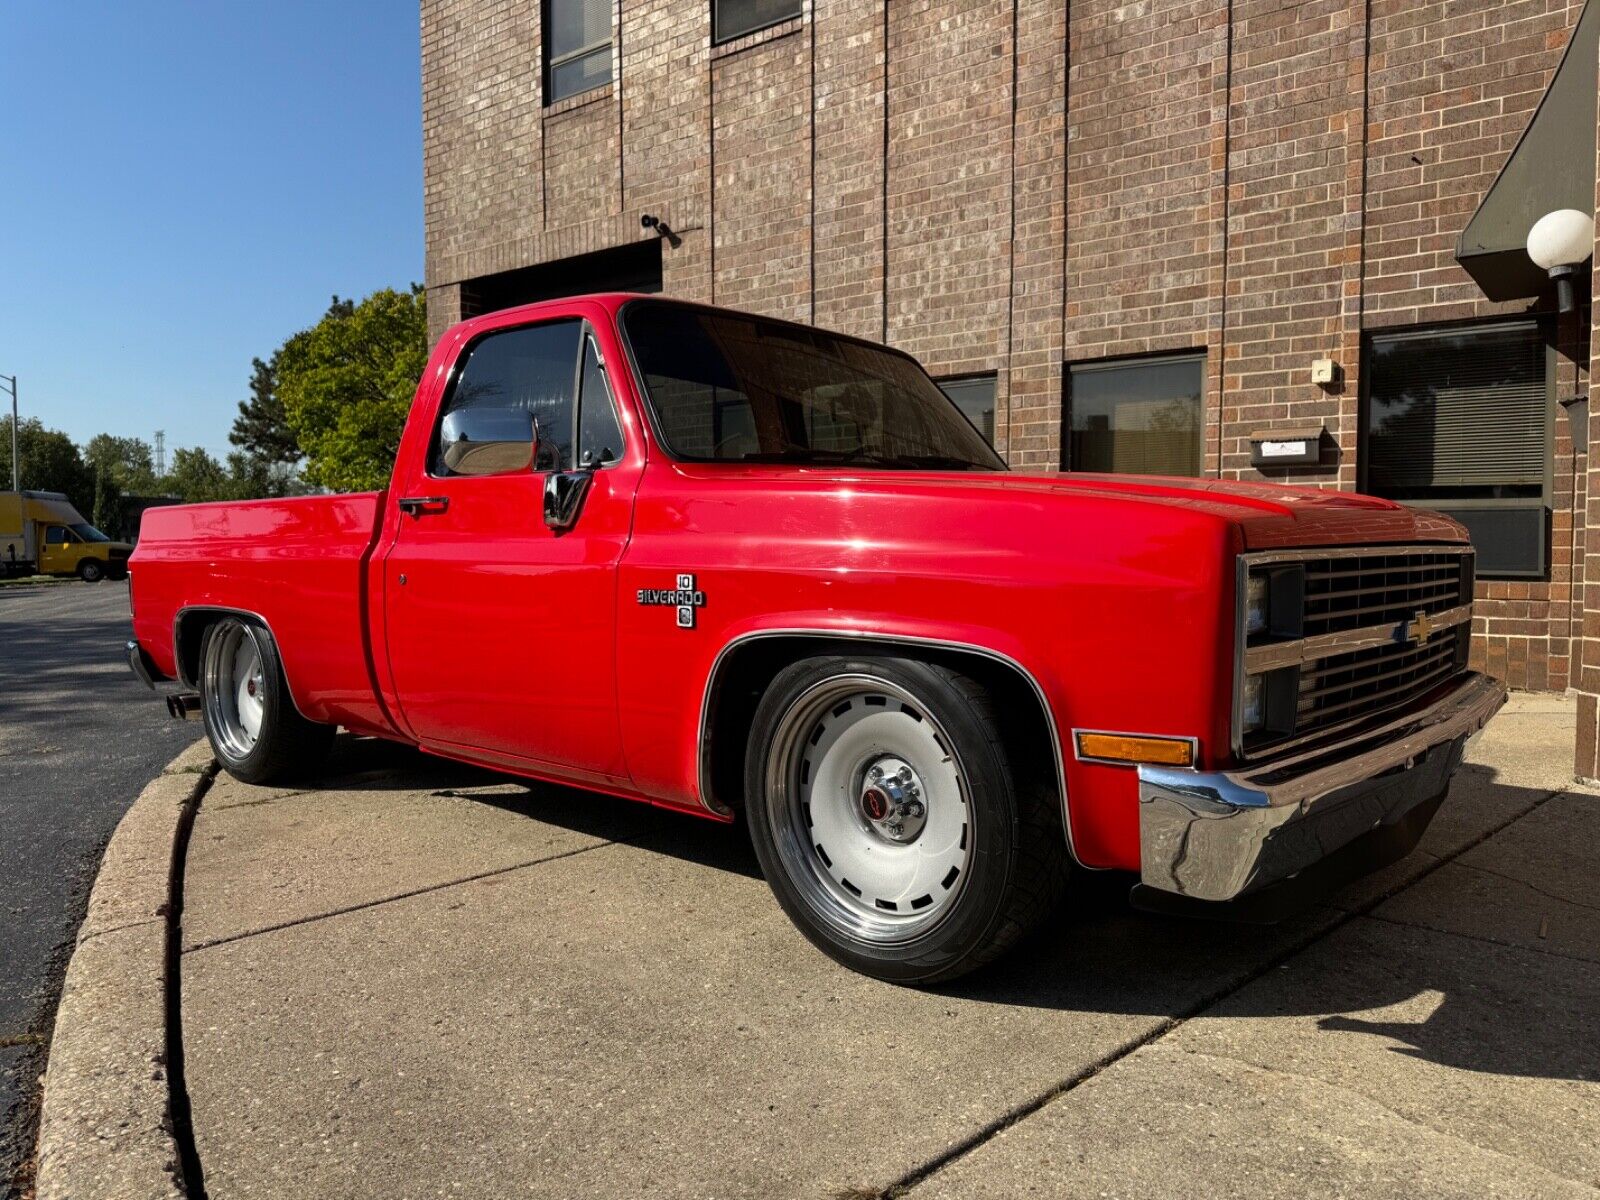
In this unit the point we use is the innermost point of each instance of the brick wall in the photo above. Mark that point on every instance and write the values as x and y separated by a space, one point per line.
1011 185
1587 599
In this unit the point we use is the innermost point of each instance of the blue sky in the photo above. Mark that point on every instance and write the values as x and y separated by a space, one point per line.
182 186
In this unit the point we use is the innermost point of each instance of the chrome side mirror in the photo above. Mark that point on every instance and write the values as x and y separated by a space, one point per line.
488 441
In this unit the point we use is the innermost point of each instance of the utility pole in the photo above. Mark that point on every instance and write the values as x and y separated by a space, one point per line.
16 476
161 453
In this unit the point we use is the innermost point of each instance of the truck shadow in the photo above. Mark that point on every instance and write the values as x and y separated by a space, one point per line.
1442 997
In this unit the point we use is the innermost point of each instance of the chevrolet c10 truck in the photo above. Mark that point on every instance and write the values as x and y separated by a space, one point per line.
742 568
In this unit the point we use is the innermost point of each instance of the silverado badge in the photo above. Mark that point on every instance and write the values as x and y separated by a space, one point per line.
685 598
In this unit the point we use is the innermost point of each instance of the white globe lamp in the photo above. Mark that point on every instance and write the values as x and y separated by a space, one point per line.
1560 243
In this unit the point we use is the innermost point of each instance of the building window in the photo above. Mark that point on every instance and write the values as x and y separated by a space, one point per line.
974 395
1459 420
735 18
1137 416
577 47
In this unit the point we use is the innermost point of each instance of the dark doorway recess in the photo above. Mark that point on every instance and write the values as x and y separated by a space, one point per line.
635 267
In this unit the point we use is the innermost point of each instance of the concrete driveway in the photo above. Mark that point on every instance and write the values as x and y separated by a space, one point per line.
420 980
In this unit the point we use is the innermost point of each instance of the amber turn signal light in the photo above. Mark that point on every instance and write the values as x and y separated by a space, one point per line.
1125 748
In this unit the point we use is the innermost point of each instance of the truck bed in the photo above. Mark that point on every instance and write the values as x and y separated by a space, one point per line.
299 564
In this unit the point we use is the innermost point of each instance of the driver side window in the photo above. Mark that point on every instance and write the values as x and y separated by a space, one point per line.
57 535
554 373
528 369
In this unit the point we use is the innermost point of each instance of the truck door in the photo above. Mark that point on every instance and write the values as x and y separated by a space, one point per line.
58 552
500 586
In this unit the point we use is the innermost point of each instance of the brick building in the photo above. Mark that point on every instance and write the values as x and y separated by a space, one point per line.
1122 231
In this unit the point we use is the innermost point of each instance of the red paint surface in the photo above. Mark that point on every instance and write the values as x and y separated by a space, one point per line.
515 647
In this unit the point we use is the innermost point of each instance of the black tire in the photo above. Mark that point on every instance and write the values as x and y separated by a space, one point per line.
285 745
91 570
1014 871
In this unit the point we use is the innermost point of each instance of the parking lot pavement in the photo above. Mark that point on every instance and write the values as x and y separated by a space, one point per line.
79 736
421 979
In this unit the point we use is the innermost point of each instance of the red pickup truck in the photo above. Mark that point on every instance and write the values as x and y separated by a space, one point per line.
738 567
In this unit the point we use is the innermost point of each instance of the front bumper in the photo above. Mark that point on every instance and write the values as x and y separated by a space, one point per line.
1216 836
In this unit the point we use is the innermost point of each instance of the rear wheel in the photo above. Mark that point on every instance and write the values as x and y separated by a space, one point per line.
255 731
890 821
91 570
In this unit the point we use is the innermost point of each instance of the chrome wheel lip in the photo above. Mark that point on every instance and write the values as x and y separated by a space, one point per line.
234 689
855 917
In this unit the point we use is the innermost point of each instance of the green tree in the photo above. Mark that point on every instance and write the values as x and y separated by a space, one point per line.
265 463
50 462
197 476
346 386
261 430
125 461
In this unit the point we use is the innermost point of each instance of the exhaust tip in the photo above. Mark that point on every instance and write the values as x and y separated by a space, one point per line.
183 706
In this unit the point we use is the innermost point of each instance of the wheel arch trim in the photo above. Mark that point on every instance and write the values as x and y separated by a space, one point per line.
873 637
226 610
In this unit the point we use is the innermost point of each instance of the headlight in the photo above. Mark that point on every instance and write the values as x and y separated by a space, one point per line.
1255 605
1253 710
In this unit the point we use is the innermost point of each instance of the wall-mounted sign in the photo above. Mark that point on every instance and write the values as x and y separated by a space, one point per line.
1286 447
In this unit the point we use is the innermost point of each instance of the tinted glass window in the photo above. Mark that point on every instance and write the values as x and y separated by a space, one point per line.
736 388
735 18
1459 420
577 37
599 434
1142 417
975 397
531 369
1458 413
57 533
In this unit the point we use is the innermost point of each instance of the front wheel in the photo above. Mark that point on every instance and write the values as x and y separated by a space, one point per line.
90 570
891 822
255 731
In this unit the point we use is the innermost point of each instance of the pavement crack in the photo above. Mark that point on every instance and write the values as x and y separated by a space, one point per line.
407 895
1533 887
219 808
917 1175
100 933
1479 937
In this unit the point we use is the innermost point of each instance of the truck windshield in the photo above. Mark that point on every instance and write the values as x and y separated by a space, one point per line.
727 387
89 533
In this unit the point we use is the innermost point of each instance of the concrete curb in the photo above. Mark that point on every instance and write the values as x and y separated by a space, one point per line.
106 1125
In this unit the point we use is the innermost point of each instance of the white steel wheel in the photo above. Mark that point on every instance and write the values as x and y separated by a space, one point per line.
869 808
907 832
234 689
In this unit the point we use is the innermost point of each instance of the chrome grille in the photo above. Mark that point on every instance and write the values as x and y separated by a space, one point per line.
1351 635
1335 689
1381 589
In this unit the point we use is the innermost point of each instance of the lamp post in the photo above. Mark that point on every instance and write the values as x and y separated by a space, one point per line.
16 477
1560 243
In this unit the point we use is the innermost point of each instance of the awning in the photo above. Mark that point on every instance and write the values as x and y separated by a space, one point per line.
1552 167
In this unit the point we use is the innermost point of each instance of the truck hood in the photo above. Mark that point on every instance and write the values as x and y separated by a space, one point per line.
1268 515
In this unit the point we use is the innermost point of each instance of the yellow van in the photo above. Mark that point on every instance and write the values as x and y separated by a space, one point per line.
41 533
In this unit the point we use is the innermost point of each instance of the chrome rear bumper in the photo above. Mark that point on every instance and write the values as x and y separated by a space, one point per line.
140 664
1218 835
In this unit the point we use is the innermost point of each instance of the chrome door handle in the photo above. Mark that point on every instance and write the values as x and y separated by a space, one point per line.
418 505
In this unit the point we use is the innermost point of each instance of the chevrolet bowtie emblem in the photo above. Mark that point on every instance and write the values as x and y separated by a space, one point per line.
1419 629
